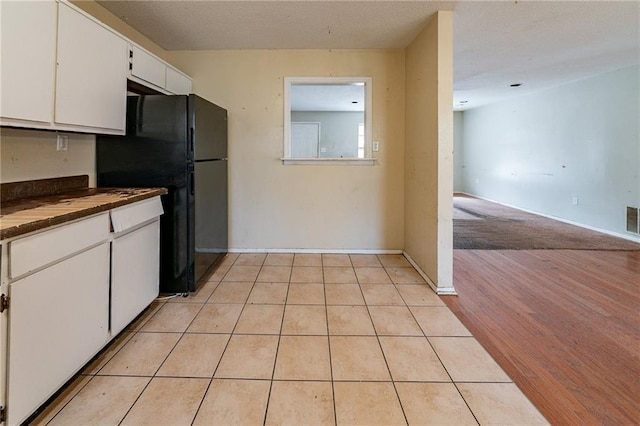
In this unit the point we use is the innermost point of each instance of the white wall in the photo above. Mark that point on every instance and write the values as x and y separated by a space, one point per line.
579 140
458 151
31 154
338 131
318 207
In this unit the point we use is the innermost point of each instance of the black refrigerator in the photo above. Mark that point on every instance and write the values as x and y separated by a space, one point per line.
180 143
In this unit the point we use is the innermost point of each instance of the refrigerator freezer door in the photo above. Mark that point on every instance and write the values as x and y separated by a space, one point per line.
208 125
159 118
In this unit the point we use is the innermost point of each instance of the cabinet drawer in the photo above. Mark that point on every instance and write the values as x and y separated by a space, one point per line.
35 251
128 217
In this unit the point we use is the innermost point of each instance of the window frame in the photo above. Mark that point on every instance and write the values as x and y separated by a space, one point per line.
368 114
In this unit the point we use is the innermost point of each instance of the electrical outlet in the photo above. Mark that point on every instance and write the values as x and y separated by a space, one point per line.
62 142
574 201
376 146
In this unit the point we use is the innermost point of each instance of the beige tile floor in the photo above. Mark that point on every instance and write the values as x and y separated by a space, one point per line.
296 339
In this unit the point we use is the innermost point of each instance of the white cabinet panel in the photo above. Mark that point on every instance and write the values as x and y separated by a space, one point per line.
148 67
28 38
129 216
40 249
92 73
135 266
4 289
59 321
178 83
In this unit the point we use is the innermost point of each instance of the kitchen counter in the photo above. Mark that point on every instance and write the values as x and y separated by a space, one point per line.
30 206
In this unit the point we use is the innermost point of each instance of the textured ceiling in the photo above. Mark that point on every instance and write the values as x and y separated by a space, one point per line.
537 43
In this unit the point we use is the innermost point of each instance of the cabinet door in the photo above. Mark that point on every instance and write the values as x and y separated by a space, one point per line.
135 278
59 320
147 67
28 59
91 81
4 289
177 83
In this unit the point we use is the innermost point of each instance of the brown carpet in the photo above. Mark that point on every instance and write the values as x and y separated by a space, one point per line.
483 225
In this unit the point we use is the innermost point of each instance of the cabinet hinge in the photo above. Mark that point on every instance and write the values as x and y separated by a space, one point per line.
3 414
4 303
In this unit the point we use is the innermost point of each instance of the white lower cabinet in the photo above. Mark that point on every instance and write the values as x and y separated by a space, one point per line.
135 262
71 289
58 321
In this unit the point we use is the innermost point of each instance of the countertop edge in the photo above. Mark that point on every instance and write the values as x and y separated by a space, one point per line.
37 225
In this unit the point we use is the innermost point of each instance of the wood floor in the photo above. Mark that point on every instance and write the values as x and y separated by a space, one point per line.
564 324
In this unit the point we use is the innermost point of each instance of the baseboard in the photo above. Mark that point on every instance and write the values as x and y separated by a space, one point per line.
314 251
559 219
446 291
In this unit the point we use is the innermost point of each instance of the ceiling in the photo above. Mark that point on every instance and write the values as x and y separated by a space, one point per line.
539 44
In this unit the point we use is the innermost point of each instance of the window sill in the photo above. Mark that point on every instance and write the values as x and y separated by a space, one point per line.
330 161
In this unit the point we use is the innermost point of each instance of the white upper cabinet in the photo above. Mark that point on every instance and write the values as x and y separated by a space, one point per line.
64 70
28 38
147 67
91 83
178 83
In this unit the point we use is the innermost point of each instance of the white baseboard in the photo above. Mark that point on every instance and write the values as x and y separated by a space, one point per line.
314 251
559 219
445 291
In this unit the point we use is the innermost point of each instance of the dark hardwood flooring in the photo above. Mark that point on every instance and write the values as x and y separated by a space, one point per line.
564 324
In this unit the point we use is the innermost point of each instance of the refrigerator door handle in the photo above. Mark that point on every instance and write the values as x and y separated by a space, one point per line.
191 143
192 182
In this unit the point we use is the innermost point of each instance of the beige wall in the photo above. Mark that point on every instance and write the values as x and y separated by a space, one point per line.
429 151
31 154
321 207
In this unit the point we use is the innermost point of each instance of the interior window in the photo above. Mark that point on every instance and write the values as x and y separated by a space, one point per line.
327 118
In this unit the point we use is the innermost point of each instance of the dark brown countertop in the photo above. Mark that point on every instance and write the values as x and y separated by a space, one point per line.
21 216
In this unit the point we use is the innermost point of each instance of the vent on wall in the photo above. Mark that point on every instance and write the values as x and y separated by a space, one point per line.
633 220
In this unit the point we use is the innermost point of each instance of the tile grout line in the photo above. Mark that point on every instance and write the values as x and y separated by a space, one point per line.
154 375
440 360
326 312
333 390
69 401
96 374
275 360
225 346
436 353
385 359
